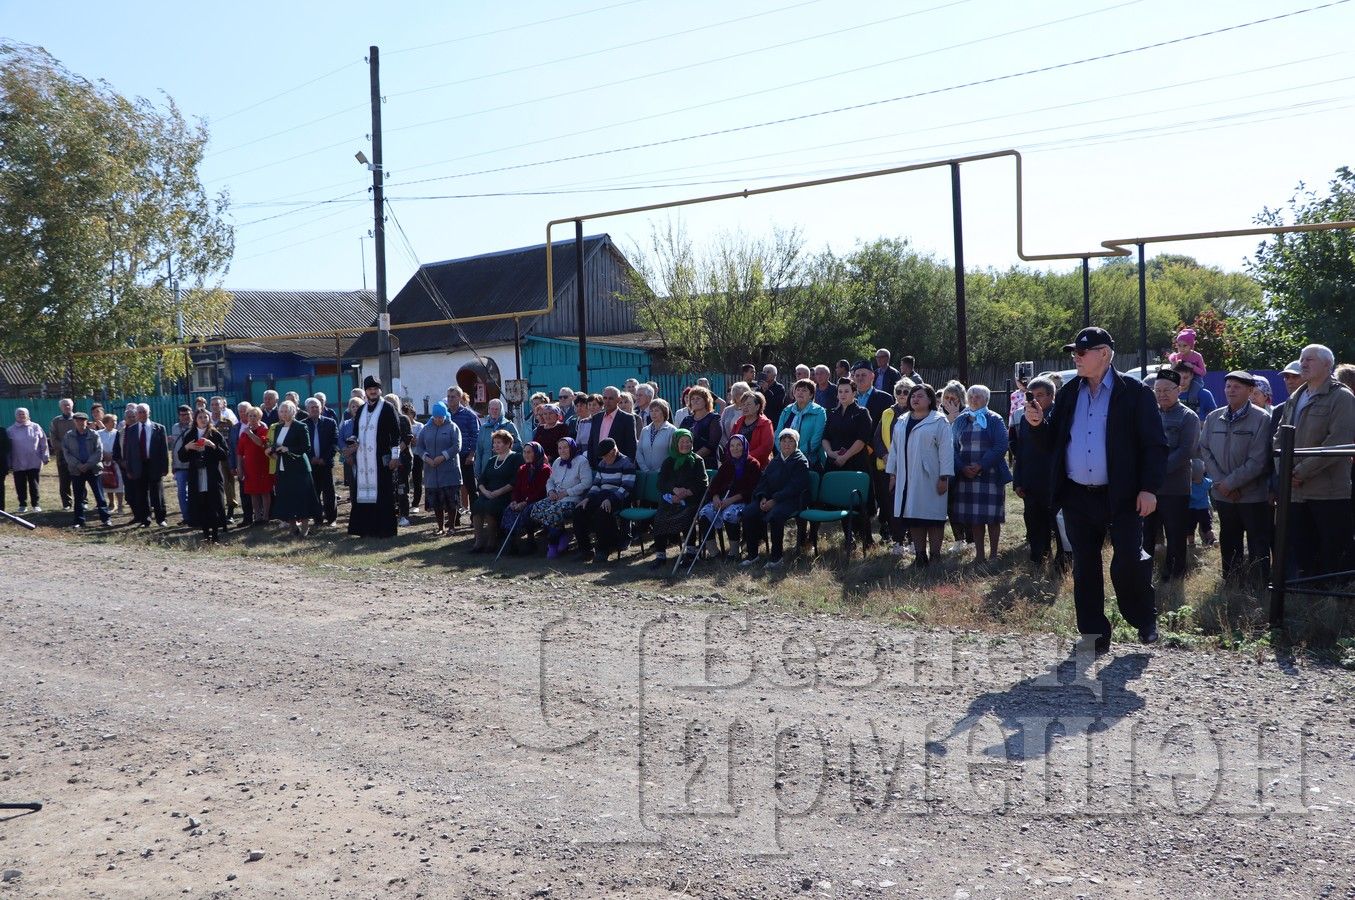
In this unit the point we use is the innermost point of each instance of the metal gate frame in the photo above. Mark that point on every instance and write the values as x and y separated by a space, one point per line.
1279 584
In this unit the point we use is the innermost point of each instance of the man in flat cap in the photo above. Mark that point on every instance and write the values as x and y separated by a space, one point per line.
1109 458
373 452
1235 446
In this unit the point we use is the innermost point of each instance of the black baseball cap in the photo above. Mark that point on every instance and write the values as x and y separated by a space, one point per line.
863 364
1091 337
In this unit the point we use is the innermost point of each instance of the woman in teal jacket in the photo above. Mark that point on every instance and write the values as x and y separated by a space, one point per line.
809 419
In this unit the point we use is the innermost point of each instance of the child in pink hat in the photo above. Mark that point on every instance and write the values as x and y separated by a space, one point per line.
1186 352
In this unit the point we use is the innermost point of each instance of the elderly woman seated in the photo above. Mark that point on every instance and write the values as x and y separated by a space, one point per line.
570 478
529 487
731 492
778 497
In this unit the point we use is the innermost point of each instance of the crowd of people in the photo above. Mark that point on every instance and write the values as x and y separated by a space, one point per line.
1103 455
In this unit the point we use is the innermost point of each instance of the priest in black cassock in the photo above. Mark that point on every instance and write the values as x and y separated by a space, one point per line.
373 452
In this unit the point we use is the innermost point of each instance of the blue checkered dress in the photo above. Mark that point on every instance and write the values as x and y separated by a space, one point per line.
981 500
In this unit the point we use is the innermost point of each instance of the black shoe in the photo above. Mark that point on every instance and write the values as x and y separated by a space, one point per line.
1103 645
1148 635
587 556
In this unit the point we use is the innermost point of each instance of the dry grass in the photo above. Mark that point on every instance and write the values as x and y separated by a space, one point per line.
1006 595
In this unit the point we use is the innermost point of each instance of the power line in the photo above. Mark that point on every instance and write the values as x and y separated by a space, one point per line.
600 184
670 170
429 286
577 56
280 94
774 88
308 240
659 72
872 103
506 29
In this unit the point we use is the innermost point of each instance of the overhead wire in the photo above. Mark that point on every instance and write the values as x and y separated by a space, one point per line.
672 69
601 50
872 103
774 88
519 27
421 274
669 170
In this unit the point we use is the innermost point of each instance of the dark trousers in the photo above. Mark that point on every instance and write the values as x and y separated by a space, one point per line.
323 478
63 479
1174 519
1320 535
416 483
147 496
402 489
882 503
1089 519
2 490
757 523
26 486
81 483
246 505
592 522
1253 521
1042 528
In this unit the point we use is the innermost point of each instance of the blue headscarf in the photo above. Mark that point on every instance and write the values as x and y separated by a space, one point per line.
573 453
741 461
538 456
440 410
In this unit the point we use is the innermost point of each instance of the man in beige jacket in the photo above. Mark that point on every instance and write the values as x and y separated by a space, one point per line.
1320 514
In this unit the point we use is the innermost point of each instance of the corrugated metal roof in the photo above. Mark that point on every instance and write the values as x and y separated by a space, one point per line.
13 373
505 281
265 313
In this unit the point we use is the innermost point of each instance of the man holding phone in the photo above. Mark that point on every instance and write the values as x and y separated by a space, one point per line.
1109 458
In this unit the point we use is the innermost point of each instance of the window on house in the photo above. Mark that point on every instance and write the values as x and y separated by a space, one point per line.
204 378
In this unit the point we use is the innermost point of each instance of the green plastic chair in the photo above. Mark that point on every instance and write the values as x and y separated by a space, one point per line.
840 495
647 493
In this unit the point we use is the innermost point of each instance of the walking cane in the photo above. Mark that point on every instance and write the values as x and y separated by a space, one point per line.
13 518
511 529
677 564
709 531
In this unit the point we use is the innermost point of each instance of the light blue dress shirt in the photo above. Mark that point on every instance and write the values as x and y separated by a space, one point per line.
1086 454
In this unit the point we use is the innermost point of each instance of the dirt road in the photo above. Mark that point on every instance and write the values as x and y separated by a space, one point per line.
372 733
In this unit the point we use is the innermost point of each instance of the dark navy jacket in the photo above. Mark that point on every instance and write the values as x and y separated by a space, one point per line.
1136 446
785 480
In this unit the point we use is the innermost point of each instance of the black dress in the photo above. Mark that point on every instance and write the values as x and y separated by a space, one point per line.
671 518
206 494
844 429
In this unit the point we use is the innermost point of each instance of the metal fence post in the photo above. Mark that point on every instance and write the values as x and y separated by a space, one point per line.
1279 570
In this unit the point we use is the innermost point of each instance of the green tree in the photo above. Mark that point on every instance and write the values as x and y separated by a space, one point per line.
98 193
1308 277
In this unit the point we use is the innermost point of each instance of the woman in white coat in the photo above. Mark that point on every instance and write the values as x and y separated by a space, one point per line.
920 466
652 447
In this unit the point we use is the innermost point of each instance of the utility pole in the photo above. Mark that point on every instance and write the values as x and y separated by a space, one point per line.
383 319
961 315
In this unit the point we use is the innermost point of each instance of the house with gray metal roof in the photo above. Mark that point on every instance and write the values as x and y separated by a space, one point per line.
480 356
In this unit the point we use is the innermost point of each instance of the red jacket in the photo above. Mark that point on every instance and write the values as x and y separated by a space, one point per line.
527 489
761 442
725 480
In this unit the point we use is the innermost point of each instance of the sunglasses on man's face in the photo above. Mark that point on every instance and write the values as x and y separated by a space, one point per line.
1083 352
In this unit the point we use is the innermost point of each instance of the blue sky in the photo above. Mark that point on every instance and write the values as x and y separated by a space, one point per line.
1198 134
